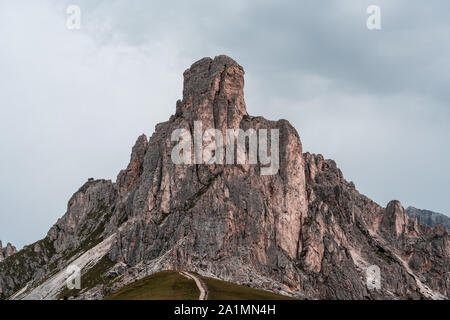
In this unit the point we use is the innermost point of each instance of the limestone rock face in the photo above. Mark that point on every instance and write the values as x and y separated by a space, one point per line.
10 250
220 212
6 252
86 212
127 178
428 217
213 93
395 219
303 231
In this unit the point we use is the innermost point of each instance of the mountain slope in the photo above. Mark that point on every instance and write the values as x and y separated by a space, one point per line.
303 231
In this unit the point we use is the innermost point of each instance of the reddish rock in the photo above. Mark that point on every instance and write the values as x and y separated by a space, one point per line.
6 252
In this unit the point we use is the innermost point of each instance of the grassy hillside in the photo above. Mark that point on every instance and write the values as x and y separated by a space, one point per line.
223 290
166 285
170 285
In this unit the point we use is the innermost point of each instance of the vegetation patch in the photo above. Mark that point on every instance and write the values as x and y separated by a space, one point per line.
166 285
223 290
171 285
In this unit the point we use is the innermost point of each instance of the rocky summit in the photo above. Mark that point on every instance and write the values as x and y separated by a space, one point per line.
6 252
304 231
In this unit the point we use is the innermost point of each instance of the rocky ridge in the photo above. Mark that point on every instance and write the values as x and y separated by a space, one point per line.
304 231
428 217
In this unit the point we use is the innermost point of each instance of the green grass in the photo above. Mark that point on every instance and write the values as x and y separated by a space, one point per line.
166 285
223 290
170 285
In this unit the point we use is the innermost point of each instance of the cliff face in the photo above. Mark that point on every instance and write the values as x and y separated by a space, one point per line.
303 231
428 217
6 252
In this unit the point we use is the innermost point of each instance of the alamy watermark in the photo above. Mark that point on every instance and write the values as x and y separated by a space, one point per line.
211 147
374 20
373 275
73 280
73 21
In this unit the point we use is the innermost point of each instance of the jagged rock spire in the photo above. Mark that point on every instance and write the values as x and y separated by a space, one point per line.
127 177
6 252
213 92
395 218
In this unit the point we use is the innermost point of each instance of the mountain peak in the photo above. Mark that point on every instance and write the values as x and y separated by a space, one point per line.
284 232
213 91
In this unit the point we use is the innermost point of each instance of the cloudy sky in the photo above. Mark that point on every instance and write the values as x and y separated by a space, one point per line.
74 101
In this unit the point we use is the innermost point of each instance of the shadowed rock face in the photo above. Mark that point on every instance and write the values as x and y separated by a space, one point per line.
428 217
304 231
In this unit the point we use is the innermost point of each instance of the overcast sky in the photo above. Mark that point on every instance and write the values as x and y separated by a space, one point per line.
73 102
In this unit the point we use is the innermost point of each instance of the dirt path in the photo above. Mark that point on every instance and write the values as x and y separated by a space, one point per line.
200 284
